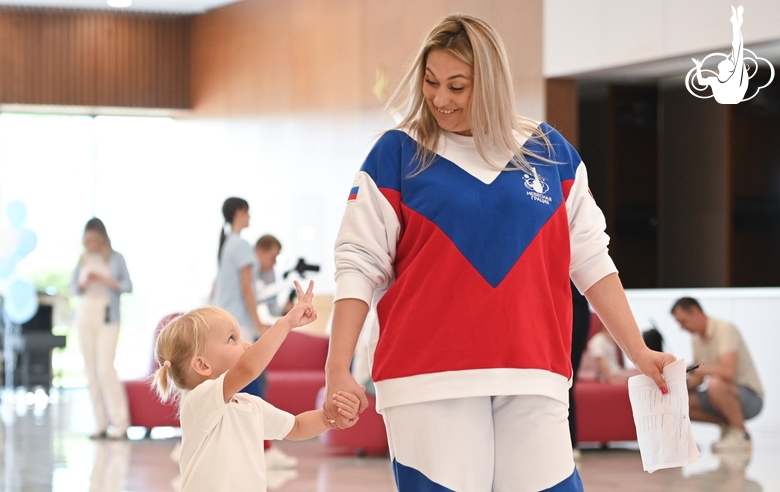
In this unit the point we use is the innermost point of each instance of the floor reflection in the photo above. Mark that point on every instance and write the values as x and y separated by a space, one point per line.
46 449
110 466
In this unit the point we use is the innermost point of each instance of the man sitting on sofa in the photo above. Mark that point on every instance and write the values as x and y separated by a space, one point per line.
733 392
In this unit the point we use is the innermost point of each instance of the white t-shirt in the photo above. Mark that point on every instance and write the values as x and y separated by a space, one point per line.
603 346
222 443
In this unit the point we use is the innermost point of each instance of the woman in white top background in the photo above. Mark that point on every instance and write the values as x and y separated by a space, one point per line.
100 278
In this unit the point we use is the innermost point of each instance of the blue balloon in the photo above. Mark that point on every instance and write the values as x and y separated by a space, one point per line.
21 302
7 266
27 242
16 212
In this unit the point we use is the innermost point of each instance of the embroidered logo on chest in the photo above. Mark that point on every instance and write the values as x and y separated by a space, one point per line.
537 187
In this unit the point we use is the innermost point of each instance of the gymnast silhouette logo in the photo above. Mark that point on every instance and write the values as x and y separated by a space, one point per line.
535 183
730 84
537 187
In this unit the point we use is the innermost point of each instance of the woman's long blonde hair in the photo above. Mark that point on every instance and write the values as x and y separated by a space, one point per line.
492 115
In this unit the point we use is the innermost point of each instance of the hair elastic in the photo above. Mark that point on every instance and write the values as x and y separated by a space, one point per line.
167 363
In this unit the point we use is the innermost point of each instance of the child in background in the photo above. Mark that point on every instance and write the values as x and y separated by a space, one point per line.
603 350
203 359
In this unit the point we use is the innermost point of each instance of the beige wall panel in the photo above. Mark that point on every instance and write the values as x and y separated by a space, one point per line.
327 39
209 35
277 56
392 38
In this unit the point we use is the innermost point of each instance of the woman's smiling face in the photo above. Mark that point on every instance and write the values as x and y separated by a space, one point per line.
447 88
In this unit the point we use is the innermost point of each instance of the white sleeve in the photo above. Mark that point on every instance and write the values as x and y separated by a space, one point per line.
590 261
276 423
366 243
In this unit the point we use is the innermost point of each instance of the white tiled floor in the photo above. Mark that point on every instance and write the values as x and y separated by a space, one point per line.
46 449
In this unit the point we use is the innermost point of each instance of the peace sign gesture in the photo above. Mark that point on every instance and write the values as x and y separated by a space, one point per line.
303 312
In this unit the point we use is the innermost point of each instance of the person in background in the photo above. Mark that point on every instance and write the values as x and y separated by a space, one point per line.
604 353
267 249
234 291
463 228
733 392
100 278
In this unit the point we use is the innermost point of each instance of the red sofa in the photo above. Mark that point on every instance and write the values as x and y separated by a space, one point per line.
297 372
603 410
603 413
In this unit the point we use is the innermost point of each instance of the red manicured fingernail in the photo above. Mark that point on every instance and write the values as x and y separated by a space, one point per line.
664 391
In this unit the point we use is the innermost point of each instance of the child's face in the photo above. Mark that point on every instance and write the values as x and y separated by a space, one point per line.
225 346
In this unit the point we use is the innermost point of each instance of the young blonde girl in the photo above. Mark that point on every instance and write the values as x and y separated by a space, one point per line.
204 362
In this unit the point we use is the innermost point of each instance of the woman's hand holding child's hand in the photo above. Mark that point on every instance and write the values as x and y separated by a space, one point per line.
348 405
303 312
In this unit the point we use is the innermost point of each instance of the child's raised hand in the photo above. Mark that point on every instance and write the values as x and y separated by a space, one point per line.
347 405
308 295
303 312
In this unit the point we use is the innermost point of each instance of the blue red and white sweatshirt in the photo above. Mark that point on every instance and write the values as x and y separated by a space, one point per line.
468 267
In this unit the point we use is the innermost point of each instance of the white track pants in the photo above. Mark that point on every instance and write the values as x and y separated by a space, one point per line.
98 341
482 444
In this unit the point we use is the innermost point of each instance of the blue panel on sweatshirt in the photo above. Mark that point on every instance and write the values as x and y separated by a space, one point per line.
497 235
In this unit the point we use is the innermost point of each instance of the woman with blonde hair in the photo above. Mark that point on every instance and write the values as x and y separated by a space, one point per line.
100 278
462 229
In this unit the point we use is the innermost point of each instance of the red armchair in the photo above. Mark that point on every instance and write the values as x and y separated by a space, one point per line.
297 372
603 410
145 407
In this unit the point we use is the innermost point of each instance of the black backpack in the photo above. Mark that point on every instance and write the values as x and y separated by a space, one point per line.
653 339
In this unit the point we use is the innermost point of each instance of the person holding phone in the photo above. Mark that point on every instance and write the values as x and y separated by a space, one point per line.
100 278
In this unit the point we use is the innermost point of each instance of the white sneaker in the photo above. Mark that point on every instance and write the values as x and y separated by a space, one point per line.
734 441
734 461
276 478
275 459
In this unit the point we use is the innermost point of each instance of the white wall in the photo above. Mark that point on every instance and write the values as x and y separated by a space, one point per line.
159 185
588 35
295 171
755 312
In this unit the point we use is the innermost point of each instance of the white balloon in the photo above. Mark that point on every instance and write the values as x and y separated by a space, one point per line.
9 241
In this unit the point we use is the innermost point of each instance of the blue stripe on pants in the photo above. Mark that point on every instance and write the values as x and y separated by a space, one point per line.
571 484
410 480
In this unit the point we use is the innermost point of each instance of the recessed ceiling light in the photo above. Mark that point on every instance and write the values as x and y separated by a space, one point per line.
120 4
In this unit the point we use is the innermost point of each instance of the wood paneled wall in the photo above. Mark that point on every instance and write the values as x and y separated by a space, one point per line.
562 105
92 58
277 56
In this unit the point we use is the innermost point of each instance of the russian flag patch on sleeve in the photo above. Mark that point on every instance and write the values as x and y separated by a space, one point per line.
353 193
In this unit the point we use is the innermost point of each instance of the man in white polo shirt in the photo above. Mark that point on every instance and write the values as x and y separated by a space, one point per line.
733 392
